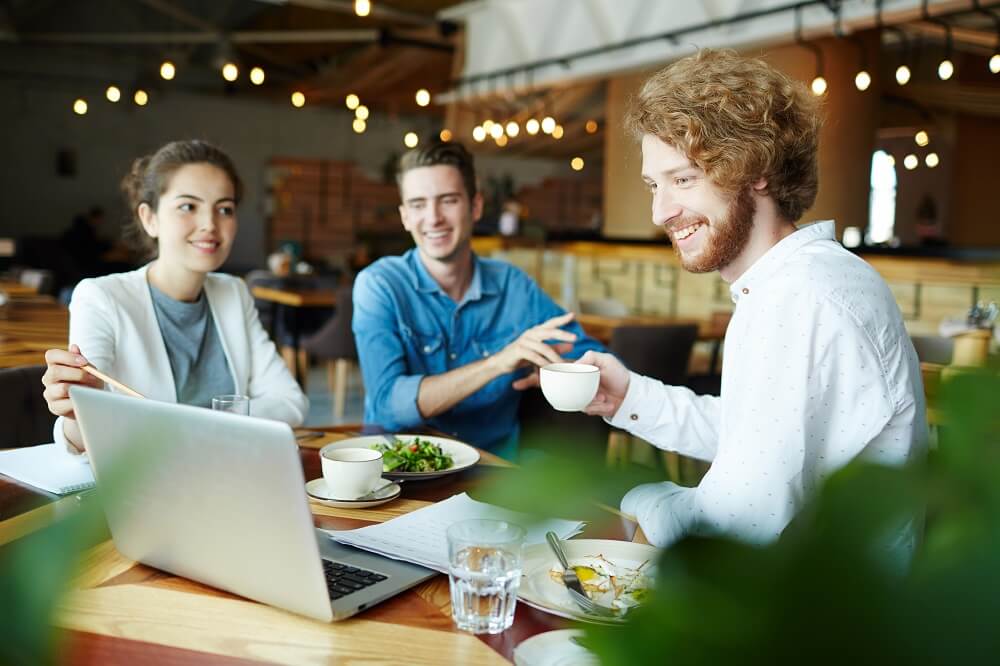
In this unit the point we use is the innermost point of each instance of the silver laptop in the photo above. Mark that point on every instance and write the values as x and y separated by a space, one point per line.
220 499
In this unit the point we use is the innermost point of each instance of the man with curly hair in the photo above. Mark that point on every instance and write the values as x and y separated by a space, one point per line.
818 369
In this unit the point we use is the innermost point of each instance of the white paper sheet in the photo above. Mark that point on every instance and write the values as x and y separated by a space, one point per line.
47 467
419 536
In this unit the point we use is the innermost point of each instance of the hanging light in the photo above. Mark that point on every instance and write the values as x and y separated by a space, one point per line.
995 63
501 140
946 68
921 138
576 164
488 125
532 127
478 134
932 160
862 80
910 162
411 140
548 124
167 70
557 132
140 97
445 135
358 125
891 160
80 107
352 101
113 94
903 75
513 129
818 85
361 112
362 7
230 72
298 99
496 131
591 126
257 76
423 97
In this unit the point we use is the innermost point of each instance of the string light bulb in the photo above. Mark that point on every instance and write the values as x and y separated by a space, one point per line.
445 135
903 75
946 68
230 72
113 94
513 129
298 99
818 86
488 125
140 97
862 80
548 124
576 164
423 97
362 7
932 160
557 132
532 127
362 112
479 134
921 138
496 130
411 140
910 162
591 127
257 76
891 160
358 125
995 63
352 101
80 107
167 70
501 140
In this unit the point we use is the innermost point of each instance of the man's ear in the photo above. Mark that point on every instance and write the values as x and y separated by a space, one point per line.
477 206
149 220
402 216
760 185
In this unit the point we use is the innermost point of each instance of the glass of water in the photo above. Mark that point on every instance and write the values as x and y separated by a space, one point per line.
484 570
235 404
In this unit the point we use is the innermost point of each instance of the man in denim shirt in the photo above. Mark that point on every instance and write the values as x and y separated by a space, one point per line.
442 334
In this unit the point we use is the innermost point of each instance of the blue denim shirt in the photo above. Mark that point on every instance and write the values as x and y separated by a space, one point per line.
406 327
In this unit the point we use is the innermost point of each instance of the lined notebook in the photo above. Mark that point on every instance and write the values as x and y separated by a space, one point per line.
419 536
47 467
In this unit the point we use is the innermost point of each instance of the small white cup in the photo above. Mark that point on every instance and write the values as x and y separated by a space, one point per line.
569 387
351 473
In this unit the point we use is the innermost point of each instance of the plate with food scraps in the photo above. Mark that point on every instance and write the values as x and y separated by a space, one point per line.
414 457
614 574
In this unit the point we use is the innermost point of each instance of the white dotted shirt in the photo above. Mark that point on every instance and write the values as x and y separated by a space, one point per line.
818 370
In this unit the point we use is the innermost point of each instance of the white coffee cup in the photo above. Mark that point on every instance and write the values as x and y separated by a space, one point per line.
351 473
569 387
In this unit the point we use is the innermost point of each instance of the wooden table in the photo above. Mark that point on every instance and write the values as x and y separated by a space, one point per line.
123 612
29 326
17 289
294 299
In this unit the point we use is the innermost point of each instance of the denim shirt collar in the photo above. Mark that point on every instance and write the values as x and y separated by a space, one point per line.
483 283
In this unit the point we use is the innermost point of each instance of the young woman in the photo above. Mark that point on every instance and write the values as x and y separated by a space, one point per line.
174 330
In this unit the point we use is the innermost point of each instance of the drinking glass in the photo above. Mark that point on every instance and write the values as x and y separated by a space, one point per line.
484 572
235 404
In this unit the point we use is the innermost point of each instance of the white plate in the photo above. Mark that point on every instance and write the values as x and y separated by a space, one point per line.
462 455
540 591
318 491
554 648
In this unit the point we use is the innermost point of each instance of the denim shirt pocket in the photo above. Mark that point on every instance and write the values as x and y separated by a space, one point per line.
425 350
485 346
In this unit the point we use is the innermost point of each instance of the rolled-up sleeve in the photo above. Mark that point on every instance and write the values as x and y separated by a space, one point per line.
390 393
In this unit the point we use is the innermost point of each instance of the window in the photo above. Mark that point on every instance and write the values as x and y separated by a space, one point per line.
882 199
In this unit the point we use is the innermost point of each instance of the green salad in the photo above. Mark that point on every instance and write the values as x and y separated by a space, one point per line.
417 455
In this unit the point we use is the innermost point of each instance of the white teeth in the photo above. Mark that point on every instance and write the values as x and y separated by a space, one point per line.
687 231
436 234
205 244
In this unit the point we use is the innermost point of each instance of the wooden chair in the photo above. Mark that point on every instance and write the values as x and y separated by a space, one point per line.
334 343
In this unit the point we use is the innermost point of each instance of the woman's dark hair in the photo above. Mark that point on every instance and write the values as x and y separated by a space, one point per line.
149 176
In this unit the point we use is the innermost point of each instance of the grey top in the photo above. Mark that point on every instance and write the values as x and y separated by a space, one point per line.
197 359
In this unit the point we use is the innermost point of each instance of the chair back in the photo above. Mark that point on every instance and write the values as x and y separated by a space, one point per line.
335 339
933 348
23 411
661 352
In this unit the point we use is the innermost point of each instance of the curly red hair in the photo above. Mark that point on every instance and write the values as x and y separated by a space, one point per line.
739 120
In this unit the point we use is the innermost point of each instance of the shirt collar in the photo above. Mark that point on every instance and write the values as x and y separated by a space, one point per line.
772 260
483 282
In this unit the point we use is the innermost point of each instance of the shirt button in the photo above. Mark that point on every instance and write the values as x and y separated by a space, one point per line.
427 349
453 356
634 417
745 290
485 354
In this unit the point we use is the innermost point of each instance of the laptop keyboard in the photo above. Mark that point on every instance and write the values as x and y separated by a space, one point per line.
342 579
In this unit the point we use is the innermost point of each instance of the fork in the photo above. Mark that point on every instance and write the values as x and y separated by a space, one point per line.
572 581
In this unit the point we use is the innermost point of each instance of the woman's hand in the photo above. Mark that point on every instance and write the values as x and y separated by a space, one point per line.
65 368
613 387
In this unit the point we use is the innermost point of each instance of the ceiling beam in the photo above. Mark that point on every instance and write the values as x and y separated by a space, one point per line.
981 38
242 37
379 10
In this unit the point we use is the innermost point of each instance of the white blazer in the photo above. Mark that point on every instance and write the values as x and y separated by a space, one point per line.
112 320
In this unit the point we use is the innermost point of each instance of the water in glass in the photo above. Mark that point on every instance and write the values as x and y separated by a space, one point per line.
484 582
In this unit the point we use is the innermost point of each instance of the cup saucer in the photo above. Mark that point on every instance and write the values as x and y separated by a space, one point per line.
318 491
